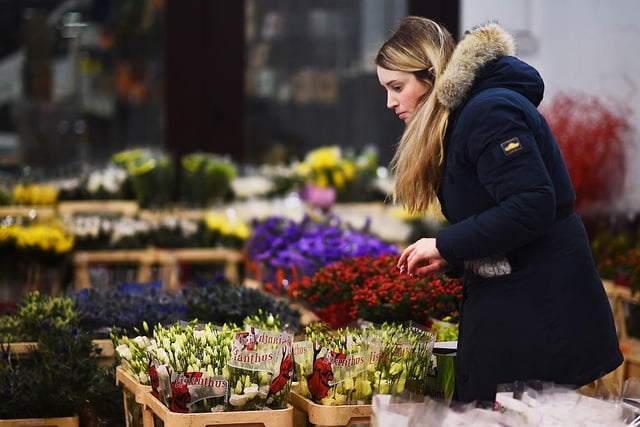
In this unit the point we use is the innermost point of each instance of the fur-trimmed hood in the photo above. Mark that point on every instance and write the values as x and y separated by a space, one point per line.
468 66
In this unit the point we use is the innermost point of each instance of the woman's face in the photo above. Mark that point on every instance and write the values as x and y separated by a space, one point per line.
404 91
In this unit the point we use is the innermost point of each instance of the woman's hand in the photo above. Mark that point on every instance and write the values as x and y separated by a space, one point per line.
422 257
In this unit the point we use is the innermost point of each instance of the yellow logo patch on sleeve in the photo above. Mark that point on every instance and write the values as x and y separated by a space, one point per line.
511 146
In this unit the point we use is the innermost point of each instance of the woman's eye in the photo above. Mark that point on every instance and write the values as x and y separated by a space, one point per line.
397 88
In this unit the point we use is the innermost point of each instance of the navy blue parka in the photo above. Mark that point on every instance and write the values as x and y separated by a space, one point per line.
507 196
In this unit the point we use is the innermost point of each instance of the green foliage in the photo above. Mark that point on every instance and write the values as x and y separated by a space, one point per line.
34 315
53 379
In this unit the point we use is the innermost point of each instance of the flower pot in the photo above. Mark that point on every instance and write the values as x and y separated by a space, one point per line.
42 422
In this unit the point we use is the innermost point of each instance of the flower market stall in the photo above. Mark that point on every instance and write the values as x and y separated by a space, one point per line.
265 297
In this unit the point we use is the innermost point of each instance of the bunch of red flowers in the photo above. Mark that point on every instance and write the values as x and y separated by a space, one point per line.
374 289
591 136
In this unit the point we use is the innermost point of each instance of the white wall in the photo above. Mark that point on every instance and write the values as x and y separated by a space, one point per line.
589 46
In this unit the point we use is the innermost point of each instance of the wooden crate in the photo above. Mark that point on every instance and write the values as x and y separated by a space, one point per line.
132 392
153 409
42 422
170 259
106 358
82 260
307 412
619 297
20 348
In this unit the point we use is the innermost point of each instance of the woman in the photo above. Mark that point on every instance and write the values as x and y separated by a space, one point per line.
534 307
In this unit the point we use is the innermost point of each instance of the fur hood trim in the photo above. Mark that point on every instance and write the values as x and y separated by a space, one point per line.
479 46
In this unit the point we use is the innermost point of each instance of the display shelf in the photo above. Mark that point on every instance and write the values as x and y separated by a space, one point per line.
102 207
82 260
170 259
35 212
153 409
167 260
306 411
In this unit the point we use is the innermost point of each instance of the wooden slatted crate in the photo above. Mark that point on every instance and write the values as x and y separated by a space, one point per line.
170 259
42 422
307 412
144 259
154 409
132 394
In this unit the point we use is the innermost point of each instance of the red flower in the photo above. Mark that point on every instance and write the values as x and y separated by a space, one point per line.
372 288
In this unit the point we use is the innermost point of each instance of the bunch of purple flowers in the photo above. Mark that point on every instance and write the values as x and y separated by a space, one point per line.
286 250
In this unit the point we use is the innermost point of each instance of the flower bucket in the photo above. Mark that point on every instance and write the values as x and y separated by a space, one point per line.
441 376
42 422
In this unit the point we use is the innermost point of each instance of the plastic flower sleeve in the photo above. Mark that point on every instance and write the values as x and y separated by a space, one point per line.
190 365
260 370
333 375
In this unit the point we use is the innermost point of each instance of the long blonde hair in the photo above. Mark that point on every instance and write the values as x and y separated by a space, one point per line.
422 47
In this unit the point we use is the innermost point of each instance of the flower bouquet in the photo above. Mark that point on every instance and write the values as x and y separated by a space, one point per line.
108 183
151 174
31 193
348 366
196 368
349 176
40 249
206 178
225 230
101 232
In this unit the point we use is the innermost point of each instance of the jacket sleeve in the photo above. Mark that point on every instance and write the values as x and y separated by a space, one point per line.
510 167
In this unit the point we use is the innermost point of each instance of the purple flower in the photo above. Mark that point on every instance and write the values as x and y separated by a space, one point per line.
279 243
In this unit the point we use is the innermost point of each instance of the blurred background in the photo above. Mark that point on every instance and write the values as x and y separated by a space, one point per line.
265 81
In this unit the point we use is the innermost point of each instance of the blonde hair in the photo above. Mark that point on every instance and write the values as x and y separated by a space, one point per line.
422 47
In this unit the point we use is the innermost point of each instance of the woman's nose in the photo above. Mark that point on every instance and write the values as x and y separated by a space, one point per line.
391 101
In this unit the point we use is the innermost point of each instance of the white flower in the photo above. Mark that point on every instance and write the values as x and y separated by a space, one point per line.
251 391
143 378
124 351
238 400
142 341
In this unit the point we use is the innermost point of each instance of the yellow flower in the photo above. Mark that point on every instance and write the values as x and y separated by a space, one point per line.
322 180
349 169
43 237
338 179
226 226
35 194
396 368
324 157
